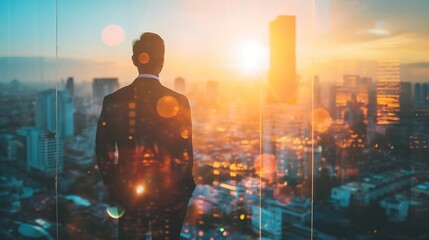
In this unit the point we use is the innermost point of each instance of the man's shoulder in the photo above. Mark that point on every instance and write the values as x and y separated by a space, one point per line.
180 97
119 94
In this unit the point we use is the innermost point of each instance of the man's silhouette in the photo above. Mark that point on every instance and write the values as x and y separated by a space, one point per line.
148 127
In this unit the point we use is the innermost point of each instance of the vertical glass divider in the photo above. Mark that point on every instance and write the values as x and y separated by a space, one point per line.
312 121
56 121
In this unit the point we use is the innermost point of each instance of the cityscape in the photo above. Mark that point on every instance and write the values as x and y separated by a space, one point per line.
280 157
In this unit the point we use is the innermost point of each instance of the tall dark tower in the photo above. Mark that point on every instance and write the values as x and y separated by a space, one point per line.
70 86
282 81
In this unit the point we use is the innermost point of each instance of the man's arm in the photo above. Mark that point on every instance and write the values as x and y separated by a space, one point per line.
187 150
105 149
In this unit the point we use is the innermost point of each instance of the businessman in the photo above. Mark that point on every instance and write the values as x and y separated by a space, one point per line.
148 128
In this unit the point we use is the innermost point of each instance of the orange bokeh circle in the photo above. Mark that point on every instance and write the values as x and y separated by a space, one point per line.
321 120
167 107
265 165
144 58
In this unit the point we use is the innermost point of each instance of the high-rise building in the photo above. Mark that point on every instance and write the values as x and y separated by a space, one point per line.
179 85
70 86
388 92
54 112
425 95
282 80
421 95
8 147
102 87
312 162
405 98
352 85
317 92
43 150
418 96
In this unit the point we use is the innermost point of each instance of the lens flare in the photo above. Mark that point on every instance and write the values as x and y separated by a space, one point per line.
112 35
115 212
185 134
139 189
320 119
144 58
253 56
265 165
167 107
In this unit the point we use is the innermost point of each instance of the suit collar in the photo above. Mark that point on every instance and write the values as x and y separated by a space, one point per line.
147 75
145 80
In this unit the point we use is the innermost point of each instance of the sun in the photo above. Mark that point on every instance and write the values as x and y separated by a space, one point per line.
252 57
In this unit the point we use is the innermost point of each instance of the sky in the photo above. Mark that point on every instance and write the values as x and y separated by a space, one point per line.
204 39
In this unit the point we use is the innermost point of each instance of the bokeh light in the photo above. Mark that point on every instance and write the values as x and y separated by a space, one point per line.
185 134
139 189
167 107
320 119
202 206
112 35
115 212
265 165
283 194
144 58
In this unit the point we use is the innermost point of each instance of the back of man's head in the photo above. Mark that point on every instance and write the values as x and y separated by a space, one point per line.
148 51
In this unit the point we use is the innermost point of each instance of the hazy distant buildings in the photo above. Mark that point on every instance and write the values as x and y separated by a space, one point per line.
54 112
352 87
179 85
102 87
42 150
388 92
312 162
421 96
282 81
8 147
405 97
70 86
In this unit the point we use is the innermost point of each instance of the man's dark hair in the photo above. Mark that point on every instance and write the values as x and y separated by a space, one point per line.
151 44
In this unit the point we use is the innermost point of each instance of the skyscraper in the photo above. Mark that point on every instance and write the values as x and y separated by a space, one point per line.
8 147
417 96
179 84
405 99
54 109
70 86
102 87
388 92
282 81
42 149
421 95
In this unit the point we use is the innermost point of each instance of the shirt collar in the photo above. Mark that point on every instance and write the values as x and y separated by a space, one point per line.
146 75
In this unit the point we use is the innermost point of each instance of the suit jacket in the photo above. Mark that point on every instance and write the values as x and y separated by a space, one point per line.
148 128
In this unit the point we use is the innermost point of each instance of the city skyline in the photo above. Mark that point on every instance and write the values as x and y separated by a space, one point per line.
341 152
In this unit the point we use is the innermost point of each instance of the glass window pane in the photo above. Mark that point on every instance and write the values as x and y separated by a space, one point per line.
30 151
368 163
309 119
